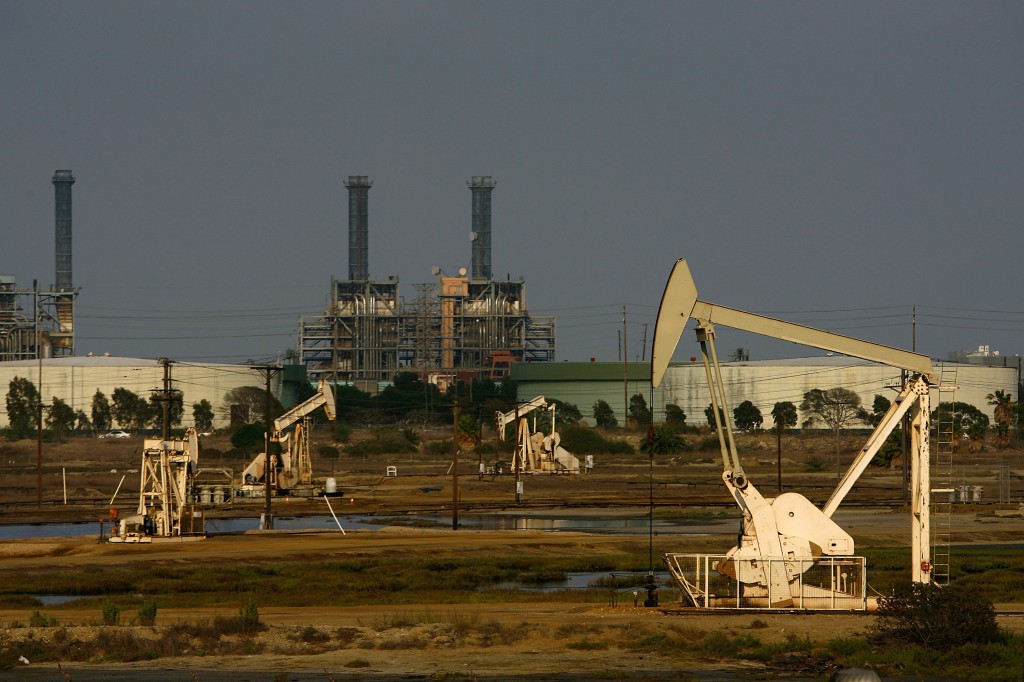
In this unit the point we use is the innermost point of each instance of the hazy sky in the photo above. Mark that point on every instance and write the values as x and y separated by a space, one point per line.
828 163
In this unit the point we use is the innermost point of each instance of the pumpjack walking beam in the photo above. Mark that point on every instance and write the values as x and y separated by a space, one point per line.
680 304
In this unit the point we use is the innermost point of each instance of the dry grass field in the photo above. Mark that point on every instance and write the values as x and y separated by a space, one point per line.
404 602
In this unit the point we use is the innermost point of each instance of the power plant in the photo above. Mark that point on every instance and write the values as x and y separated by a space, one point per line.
467 325
40 323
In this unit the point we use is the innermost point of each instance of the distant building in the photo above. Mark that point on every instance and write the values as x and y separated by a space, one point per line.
984 355
763 382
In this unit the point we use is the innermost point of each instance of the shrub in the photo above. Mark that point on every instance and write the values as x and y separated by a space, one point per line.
38 620
581 440
814 464
342 432
358 663
485 448
937 619
717 644
311 635
708 443
663 440
328 452
587 645
249 617
111 613
147 612
438 447
385 441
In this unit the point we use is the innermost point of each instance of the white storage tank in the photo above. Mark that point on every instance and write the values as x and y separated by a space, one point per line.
331 487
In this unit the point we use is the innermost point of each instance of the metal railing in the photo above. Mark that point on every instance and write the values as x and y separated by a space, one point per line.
828 583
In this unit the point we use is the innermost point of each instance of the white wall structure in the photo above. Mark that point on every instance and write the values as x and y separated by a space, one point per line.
76 379
762 382
766 382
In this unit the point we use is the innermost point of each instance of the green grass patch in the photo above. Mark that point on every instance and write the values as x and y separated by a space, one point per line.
347 582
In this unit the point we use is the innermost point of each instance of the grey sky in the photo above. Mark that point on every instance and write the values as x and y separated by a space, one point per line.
855 157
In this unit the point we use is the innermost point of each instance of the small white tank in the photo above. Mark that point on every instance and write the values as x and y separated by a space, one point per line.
330 486
205 495
218 495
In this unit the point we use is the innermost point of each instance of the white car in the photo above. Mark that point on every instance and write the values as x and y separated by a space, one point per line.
116 434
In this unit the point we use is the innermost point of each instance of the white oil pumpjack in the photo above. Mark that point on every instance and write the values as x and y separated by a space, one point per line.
291 471
791 554
535 451
166 509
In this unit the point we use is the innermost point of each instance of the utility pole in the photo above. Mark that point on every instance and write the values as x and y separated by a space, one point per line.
518 457
267 519
39 413
625 371
165 401
778 452
456 411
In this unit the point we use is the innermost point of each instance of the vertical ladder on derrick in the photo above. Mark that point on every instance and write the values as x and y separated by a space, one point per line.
943 491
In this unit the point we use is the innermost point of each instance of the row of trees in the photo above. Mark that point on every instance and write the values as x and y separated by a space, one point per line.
409 400
836 409
124 408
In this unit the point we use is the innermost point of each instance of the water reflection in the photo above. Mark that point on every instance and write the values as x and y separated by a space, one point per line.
619 582
637 525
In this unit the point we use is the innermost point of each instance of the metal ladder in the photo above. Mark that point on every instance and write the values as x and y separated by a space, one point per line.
943 496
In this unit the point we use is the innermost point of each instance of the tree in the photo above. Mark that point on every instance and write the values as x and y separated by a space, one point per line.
566 414
202 415
130 410
709 413
252 403
1003 413
249 438
82 422
893 444
836 407
407 393
675 418
175 410
747 417
966 420
60 418
101 420
639 413
784 415
879 406
604 415
23 405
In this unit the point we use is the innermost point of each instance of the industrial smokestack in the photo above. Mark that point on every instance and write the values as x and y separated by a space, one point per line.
358 219
62 181
481 186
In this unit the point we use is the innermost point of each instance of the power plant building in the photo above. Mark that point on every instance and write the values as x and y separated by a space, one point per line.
40 322
466 325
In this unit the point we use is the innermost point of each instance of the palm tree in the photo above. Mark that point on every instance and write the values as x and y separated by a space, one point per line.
1003 409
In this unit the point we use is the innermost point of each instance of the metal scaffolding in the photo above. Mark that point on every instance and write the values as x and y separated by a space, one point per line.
460 328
